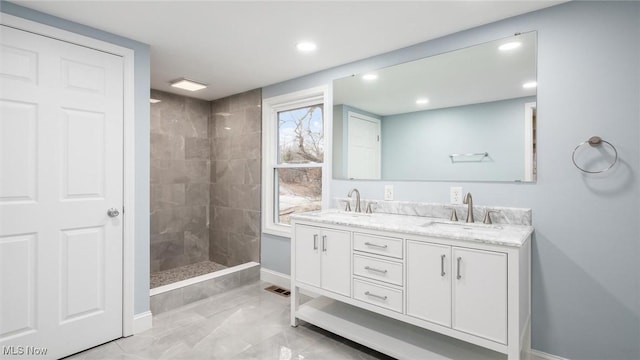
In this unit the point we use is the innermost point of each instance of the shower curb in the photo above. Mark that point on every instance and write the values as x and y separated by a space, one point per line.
171 296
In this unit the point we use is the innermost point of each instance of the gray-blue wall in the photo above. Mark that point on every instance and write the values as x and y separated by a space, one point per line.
141 94
417 145
586 246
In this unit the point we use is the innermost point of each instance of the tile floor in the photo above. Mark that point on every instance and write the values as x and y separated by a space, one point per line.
241 324
244 323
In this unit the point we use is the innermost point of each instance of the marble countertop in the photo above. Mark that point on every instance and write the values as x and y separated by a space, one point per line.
499 234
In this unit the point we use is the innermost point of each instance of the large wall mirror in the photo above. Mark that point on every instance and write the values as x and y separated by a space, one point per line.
465 115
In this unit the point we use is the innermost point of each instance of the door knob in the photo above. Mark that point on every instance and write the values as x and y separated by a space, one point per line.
113 212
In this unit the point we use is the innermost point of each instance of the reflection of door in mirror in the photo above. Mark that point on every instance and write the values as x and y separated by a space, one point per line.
529 141
363 146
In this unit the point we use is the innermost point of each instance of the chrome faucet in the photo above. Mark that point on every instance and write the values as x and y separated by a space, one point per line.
468 200
357 199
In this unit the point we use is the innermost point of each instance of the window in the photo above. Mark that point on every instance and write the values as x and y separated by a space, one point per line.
294 153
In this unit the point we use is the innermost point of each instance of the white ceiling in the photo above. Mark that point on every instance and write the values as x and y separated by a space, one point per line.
235 46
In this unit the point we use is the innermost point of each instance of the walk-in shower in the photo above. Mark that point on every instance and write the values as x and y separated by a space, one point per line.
205 194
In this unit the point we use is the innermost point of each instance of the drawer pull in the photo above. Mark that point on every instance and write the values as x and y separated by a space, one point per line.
376 270
442 273
375 245
376 296
324 243
459 276
315 241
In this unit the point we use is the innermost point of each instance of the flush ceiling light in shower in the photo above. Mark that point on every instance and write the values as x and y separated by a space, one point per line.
422 101
510 46
530 85
369 77
187 84
306 46
154 101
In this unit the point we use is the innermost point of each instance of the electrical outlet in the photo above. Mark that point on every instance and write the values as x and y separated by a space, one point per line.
455 194
388 192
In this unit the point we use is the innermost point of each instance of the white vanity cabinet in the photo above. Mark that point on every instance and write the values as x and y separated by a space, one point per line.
479 293
378 271
323 258
429 282
461 288
399 290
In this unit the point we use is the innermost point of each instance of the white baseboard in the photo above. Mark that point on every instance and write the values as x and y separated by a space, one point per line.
142 322
282 280
545 356
276 278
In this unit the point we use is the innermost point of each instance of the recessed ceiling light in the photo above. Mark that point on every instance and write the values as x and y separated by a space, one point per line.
187 84
510 46
369 77
306 46
422 101
530 85
154 101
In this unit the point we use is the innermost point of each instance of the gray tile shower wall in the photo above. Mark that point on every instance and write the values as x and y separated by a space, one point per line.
235 134
180 171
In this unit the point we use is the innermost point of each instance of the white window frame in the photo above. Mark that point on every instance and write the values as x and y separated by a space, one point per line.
270 109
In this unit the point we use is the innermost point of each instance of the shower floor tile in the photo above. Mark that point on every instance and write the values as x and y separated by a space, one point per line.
184 272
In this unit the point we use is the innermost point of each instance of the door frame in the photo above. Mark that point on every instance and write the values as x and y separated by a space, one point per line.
528 140
128 223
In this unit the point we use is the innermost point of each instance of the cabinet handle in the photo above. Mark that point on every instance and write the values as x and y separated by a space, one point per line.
315 241
459 276
376 270
376 296
442 273
375 245
324 243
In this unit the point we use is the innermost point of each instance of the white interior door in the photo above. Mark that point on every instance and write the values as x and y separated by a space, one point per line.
363 154
61 169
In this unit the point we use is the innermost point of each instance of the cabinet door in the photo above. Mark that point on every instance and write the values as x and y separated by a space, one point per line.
336 261
307 254
480 293
429 282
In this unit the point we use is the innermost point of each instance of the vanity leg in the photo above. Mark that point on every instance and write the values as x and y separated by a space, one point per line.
295 303
527 343
517 352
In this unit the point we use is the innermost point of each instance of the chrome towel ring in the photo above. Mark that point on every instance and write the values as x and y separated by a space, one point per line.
593 142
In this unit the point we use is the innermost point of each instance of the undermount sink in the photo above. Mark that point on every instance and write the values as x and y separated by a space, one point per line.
461 226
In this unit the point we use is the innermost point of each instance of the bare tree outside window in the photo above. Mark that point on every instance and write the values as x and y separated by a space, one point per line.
300 158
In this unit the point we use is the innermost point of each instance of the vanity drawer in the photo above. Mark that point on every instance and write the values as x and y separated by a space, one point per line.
378 295
376 269
378 245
